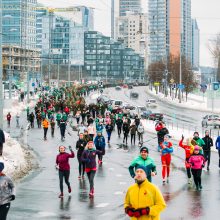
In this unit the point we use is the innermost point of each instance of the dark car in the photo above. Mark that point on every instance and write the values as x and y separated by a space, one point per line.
130 87
134 95
118 88
156 116
103 99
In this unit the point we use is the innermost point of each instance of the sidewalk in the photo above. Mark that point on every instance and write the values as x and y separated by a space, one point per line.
195 102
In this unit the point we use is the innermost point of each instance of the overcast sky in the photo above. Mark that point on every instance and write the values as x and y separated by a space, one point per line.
207 13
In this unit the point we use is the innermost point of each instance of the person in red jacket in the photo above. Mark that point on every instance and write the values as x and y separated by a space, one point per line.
67 110
62 164
188 151
8 119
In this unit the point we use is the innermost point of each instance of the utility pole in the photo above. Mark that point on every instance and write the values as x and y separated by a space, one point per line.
1 85
180 83
9 70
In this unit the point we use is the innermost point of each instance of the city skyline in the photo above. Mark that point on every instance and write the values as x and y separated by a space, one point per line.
207 20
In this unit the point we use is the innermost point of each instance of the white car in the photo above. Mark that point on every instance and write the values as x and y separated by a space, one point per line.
151 103
211 120
117 104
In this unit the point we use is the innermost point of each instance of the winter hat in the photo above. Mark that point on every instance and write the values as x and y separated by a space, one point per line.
167 136
142 168
2 166
196 132
144 148
196 147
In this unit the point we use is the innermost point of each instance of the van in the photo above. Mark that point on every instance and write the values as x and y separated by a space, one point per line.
117 104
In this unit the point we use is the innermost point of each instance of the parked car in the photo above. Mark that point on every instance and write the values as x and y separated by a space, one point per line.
211 120
156 116
130 87
118 88
151 103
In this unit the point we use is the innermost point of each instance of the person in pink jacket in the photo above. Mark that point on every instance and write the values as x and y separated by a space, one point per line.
197 162
107 120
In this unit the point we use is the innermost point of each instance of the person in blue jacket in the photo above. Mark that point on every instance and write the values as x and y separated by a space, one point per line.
217 145
100 145
99 127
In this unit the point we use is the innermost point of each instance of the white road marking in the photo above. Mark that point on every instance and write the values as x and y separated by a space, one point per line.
118 193
111 168
118 175
122 183
46 214
102 205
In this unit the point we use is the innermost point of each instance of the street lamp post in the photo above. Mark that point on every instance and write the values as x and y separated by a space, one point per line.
180 83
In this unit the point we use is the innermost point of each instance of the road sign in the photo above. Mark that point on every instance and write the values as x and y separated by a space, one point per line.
215 86
172 81
101 91
203 88
33 84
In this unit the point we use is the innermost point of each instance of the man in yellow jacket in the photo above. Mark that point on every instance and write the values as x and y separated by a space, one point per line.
45 124
143 200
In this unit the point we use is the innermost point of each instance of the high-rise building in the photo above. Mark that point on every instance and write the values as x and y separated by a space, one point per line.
170 29
19 23
132 30
195 44
109 59
129 5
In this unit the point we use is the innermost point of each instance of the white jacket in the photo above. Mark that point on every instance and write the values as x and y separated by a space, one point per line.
91 130
140 129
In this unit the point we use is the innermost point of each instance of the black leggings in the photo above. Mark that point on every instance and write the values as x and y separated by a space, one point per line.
219 157
197 176
207 155
125 138
62 132
81 168
4 211
64 174
188 171
45 133
91 176
133 136
119 131
100 156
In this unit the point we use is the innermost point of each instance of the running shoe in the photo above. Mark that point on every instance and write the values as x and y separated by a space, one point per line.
61 195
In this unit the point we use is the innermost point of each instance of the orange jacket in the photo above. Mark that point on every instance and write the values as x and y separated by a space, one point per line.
45 123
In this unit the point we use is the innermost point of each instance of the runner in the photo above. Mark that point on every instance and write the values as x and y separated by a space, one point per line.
146 161
217 146
109 129
140 131
133 130
125 131
207 147
7 193
52 125
80 146
62 129
100 145
58 118
197 162
166 149
45 124
89 158
188 147
119 123
91 131
62 164
8 117
143 199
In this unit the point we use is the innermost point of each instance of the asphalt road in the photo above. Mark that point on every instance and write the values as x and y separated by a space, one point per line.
37 194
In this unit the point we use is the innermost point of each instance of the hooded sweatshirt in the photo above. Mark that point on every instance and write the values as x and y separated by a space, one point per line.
62 160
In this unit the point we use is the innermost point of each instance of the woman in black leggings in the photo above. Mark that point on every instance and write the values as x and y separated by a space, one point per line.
80 146
62 164
89 157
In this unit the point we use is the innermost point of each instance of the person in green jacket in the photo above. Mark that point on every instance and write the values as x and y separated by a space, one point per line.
58 118
144 160
199 141
64 117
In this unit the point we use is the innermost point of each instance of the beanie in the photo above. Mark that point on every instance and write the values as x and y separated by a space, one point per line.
144 148
2 166
196 147
142 168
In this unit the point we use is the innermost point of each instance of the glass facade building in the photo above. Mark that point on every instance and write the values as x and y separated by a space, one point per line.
19 23
104 57
129 5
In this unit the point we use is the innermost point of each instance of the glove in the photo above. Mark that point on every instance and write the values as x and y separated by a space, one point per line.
12 197
137 213
129 212
70 148
145 211
57 167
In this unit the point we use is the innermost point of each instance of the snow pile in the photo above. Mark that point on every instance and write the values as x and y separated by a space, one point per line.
13 156
194 102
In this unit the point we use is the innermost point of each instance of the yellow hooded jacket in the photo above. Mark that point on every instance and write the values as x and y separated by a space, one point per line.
145 195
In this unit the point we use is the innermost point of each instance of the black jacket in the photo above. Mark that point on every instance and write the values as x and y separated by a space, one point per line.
126 128
119 123
2 136
208 143
80 146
